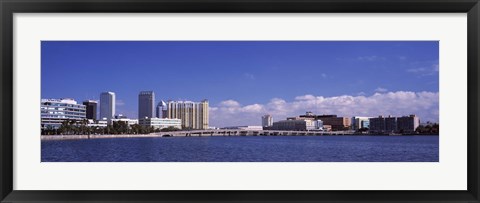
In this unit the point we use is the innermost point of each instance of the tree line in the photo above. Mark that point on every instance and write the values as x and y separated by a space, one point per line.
73 127
432 129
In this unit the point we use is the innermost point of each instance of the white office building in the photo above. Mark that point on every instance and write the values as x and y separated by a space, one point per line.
107 105
55 111
298 125
267 120
161 111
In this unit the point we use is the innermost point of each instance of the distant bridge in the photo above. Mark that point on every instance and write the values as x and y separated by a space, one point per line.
238 132
203 133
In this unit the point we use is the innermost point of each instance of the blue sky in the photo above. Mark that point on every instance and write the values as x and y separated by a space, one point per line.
246 78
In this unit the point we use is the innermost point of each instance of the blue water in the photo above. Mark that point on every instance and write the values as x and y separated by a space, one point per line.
245 149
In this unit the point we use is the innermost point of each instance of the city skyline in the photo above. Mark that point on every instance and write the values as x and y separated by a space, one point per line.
245 80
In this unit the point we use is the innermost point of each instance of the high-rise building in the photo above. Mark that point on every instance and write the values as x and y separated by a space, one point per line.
146 104
162 110
390 124
107 105
194 115
267 120
377 124
55 111
91 106
408 124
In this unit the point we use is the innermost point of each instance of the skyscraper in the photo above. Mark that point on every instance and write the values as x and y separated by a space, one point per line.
107 105
194 115
408 124
267 121
162 110
146 103
390 124
91 106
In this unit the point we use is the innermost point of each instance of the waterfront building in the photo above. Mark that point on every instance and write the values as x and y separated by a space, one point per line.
404 124
366 124
91 109
161 110
160 123
297 125
129 121
318 125
377 125
390 124
146 103
327 128
247 127
359 122
267 120
55 111
194 115
408 124
107 105
337 123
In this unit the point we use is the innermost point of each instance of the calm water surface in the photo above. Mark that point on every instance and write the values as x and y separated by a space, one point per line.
245 149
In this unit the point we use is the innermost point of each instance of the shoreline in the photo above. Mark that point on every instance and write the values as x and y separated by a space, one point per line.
84 137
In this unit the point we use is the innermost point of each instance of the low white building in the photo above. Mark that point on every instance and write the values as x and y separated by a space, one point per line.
97 123
127 120
160 123
297 125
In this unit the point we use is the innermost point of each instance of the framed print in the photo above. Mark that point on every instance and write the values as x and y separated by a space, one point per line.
255 101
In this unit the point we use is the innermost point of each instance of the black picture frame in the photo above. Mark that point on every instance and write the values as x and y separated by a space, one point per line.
10 7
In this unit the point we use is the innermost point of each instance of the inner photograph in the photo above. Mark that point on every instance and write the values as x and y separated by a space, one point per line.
239 101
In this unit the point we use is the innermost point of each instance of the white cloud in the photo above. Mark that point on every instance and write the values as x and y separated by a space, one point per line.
249 76
229 103
425 70
324 75
305 97
416 70
254 108
371 58
381 89
424 104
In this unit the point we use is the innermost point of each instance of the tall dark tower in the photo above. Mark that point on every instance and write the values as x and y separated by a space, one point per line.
91 106
146 104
